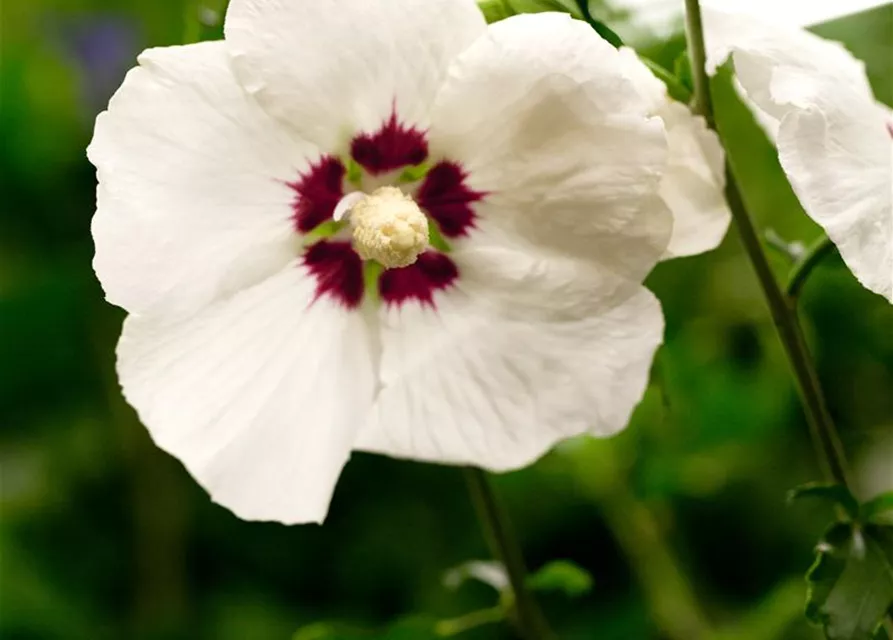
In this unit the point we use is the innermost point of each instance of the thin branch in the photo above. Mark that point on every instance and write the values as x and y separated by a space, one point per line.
822 428
801 271
504 546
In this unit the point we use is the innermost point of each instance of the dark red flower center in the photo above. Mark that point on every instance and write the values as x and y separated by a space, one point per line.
443 194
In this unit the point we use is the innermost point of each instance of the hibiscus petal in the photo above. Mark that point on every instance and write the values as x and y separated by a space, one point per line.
693 185
260 395
193 203
328 67
516 356
832 136
544 121
842 171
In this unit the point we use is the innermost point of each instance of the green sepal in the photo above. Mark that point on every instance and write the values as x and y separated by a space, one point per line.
414 173
326 229
354 173
436 239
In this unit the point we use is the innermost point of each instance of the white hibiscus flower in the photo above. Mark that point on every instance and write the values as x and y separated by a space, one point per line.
478 298
694 184
835 141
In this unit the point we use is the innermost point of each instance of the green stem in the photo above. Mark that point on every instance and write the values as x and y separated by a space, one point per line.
504 546
801 271
694 31
824 433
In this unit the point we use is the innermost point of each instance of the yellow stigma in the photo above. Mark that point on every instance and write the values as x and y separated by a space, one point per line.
389 227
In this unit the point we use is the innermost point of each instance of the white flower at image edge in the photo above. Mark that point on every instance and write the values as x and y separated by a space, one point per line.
506 180
835 141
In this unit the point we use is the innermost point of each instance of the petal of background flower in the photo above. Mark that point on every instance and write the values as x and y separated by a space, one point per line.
759 48
515 357
831 134
192 203
330 68
260 395
543 119
841 168
694 183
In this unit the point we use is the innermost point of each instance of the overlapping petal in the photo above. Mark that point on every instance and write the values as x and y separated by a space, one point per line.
694 182
517 356
832 136
259 395
192 202
330 68
546 123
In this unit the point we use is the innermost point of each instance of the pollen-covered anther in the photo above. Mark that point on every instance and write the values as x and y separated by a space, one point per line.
389 227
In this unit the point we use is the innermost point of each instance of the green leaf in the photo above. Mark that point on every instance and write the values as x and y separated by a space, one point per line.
675 88
561 575
326 631
600 27
833 493
851 581
496 10
408 628
879 509
472 620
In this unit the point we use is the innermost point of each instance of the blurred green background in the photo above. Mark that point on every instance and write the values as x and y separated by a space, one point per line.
681 520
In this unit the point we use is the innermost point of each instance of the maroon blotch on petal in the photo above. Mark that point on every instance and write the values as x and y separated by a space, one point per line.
393 146
317 193
447 199
338 271
432 272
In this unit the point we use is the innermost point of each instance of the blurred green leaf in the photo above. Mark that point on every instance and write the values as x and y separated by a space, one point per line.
561 575
411 628
828 492
600 27
408 628
879 509
771 619
321 631
472 620
851 581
